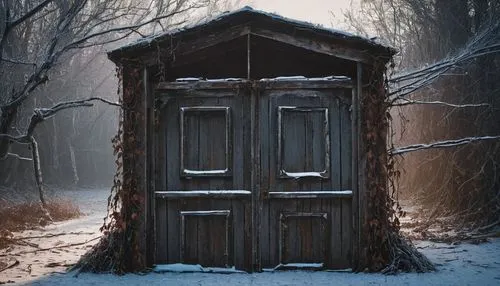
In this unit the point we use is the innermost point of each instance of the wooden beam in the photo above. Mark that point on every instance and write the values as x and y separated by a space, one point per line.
218 194
201 84
322 47
248 57
272 84
356 202
150 168
311 194
184 45
305 84
187 44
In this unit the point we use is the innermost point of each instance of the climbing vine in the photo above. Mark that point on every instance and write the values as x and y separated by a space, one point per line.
118 250
386 249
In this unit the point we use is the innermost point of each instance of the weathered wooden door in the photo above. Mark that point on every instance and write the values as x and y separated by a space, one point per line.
305 177
203 198
254 177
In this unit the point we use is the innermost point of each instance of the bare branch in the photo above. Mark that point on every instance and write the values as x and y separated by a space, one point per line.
440 144
17 156
7 136
29 14
76 43
404 102
40 114
485 43
18 62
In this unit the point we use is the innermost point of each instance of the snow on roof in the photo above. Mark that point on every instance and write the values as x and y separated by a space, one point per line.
146 41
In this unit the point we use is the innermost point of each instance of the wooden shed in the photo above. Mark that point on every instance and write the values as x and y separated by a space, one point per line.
244 141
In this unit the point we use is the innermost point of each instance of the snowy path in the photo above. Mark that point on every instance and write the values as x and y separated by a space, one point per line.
36 264
464 264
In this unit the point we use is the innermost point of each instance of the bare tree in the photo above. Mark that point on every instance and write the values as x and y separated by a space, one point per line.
39 38
444 89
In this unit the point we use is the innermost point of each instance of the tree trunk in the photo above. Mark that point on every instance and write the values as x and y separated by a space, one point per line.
73 162
38 177
6 121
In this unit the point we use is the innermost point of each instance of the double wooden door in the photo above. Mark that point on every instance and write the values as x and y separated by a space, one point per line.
254 175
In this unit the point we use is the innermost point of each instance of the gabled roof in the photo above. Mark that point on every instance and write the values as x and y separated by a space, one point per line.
260 23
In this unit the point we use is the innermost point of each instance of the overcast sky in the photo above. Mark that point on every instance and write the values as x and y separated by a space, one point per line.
314 11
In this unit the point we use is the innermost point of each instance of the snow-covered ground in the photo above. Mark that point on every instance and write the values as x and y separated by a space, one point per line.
55 238
463 264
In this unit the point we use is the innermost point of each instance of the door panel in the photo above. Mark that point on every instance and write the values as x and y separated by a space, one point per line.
204 204
303 142
306 178
303 237
205 238
206 141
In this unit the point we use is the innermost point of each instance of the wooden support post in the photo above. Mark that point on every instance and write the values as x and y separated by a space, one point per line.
248 57
356 200
149 170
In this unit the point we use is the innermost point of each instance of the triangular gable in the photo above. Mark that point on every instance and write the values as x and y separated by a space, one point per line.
247 21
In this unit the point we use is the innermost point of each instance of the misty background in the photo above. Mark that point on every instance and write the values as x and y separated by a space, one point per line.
44 61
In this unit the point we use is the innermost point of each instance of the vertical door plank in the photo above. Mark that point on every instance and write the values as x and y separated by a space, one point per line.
346 233
173 231
161 230
336 233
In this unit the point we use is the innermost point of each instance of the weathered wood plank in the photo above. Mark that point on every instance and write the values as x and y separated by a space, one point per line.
162 236
336 141
310 194
247 101
170 129
212 194
308 250
336 234
253 217
346 233
199 86
293 142
346 146
358 162
186 47
150 138
173 232
238 232
238 133
346 182
330 48
304 84
264 162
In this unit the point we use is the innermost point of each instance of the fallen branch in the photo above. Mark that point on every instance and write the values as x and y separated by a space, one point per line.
52 235
23 243
58 264
440 144
9 265
488 227
405 102
50 248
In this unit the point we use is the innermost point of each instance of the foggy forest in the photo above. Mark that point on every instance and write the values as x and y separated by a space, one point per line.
65 202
